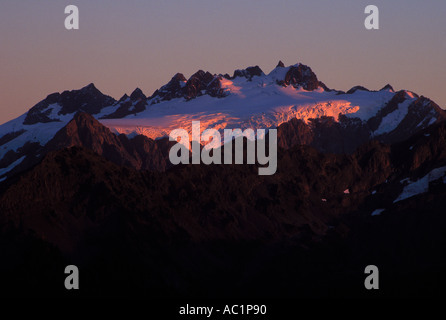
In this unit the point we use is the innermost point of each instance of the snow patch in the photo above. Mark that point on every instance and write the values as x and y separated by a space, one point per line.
391 121
4 171
378 212
432 121
422 185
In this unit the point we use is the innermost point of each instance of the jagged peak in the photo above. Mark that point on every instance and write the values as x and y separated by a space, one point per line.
174 81
387 87
85 131
356 88
178 77
124 97
248 73
297 75
280 64
90 88
137 94
198 74
203 76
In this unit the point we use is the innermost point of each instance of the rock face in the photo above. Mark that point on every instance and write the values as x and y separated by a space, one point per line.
356 88
300 76
140 152
248 73
173 89
137 102
214 89
324 134
200 83
280 64
197 83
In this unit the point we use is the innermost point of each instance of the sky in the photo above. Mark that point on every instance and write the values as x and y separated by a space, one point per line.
122 45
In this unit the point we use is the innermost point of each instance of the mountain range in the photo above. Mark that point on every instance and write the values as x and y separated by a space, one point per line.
329 120
361 179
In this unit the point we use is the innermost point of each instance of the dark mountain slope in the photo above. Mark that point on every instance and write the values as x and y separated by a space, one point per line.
212 230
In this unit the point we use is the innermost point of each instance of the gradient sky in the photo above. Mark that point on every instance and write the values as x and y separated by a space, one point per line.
122 45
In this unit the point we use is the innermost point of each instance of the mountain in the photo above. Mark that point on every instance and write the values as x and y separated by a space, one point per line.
87 132
361 179
311 113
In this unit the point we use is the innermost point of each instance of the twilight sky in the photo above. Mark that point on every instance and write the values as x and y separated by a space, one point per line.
122 45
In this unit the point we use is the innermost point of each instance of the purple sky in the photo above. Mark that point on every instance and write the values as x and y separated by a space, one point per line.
122 45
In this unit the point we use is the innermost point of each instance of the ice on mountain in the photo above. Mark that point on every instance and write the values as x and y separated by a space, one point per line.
250 104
